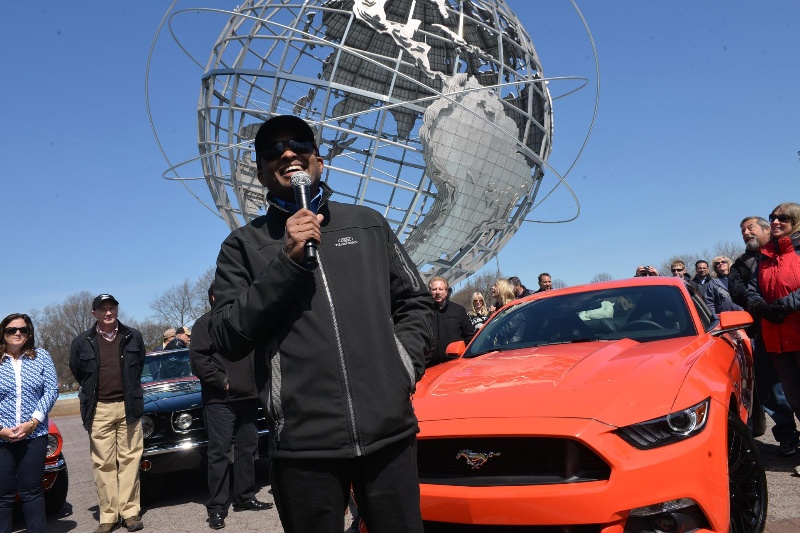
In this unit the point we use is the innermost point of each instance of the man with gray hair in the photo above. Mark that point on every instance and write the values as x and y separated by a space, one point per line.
769 391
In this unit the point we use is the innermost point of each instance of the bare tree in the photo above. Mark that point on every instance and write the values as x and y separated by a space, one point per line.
559 283
481 283
201 287
151 330
182 304
178 306
602 276
58 324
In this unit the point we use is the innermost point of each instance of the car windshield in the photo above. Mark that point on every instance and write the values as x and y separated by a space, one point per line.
166 365
641 313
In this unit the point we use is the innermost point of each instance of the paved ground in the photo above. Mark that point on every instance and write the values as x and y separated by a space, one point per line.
180 508
784 487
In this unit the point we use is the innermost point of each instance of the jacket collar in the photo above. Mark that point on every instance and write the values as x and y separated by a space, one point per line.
326 194
784 245
442 308
122 330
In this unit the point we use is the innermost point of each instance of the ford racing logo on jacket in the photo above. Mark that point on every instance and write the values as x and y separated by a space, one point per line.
344 241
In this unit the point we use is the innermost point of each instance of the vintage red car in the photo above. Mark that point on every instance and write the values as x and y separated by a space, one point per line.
56 478
611 407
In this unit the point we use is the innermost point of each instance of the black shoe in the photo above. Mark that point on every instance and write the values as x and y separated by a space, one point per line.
216 520
251 505
787 448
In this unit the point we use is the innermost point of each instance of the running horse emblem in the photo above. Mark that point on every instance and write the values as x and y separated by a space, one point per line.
475 459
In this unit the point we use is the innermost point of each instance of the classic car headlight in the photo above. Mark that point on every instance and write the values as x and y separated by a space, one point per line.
183 421
148 426
52 444
668 429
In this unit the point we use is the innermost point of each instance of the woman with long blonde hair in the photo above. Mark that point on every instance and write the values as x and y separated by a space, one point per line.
479 313
502 292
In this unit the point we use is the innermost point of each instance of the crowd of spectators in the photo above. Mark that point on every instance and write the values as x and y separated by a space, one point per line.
764 281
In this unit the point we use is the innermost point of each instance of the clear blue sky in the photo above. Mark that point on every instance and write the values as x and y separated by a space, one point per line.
698 126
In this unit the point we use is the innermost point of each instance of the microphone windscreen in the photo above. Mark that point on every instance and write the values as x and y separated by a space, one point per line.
301 178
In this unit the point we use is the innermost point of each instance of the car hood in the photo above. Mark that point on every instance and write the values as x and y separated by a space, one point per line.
616 383
175 395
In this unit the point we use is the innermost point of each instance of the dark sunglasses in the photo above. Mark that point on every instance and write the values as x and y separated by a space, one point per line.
273 152
25 330
780 218
678 269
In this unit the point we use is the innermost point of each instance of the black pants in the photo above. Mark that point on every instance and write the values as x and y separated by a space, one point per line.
21 471
771 395
223 422
312 494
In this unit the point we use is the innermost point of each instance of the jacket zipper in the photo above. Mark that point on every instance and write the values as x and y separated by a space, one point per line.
342 364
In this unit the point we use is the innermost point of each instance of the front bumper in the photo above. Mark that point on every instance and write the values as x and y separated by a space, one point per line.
165 457
695 468
57 466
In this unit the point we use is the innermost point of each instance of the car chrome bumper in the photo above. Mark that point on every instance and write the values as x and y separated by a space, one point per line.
184 446
59 465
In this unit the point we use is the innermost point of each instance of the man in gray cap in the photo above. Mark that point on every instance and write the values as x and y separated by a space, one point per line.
107 360
183 336
169 334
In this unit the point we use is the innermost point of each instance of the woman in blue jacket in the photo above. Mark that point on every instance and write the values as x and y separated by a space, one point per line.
28 390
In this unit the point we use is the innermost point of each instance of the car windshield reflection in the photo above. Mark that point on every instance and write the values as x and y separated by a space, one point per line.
166 365
645 313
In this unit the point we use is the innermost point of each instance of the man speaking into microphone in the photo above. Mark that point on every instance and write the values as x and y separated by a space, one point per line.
342 327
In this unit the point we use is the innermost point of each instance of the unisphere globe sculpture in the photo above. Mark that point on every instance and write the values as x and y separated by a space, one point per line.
433 112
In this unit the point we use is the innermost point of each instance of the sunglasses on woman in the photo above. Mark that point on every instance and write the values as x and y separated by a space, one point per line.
25 330
783 219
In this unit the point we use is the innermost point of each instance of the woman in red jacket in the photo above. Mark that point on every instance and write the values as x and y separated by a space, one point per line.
774 297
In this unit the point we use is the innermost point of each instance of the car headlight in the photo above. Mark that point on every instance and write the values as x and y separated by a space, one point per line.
52 444
148 426
674 427
183 421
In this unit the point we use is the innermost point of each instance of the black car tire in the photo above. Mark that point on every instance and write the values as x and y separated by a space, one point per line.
747 481
56 497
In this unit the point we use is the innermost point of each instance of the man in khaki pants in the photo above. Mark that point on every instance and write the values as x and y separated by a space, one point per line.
107 361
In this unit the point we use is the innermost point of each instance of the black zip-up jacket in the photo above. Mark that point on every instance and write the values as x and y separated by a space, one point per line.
343 343
216 372
450 323
84 358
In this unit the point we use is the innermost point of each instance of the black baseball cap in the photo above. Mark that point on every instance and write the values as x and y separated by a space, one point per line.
101 299
270 129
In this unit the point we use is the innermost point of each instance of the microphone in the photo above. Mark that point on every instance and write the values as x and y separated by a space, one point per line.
301 182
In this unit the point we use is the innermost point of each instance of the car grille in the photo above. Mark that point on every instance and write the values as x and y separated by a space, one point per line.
440 527
507 461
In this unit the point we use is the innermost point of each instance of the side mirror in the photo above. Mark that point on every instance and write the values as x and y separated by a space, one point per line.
456 349
733 320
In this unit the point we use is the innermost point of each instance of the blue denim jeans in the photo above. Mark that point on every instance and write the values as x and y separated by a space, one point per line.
22 467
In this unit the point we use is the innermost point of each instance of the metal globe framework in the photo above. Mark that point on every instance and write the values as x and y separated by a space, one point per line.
433 112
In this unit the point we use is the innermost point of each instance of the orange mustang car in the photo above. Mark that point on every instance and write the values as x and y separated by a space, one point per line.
611 407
